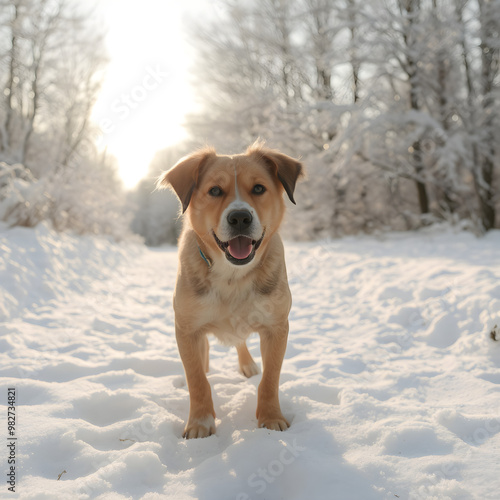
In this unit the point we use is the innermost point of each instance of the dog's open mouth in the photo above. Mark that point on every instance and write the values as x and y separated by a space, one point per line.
239 250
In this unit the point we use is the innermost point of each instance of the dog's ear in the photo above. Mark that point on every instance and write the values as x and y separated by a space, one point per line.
183 176
287 169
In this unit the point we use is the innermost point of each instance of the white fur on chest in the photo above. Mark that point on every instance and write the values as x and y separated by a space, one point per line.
233 310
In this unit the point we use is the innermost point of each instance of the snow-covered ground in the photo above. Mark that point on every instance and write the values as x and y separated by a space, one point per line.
391 380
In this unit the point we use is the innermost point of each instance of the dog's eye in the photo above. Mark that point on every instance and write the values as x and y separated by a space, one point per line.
215 191
258 189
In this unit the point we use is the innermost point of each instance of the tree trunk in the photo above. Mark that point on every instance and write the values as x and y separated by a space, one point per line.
446 191
354 60
411 7
31 116
423 198
9 88
489 71
38 52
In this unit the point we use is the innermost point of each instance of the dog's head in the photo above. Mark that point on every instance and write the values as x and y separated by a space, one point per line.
234 203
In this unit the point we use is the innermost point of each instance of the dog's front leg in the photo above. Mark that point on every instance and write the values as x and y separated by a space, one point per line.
272 347
193 350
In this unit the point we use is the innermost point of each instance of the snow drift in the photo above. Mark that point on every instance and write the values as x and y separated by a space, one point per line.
391 380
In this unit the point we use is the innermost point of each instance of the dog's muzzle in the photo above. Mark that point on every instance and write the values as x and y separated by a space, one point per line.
241 248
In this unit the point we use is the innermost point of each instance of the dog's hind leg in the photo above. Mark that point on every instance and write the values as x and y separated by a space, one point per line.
248 366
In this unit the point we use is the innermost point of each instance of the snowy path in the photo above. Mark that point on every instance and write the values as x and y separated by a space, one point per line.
391 381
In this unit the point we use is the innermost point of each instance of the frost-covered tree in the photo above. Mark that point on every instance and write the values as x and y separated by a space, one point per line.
46 50
52 58
393 104
486 141
156 213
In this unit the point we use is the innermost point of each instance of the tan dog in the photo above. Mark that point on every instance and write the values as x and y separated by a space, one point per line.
232 278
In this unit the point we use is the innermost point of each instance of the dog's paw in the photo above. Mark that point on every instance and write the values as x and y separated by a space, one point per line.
276 423
250 369
199 428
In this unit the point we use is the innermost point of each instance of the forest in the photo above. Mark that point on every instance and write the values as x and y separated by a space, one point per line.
392 105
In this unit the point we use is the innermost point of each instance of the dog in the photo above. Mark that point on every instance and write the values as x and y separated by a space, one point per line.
232 277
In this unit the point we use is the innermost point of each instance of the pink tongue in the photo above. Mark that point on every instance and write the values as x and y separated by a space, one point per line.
240 247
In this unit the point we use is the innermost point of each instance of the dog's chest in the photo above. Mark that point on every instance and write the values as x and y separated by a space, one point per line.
231 313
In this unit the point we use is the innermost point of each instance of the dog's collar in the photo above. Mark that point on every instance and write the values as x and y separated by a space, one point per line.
205 258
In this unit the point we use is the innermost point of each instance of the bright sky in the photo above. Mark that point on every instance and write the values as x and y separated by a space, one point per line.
146 93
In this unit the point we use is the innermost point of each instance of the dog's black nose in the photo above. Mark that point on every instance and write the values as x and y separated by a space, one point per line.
240 219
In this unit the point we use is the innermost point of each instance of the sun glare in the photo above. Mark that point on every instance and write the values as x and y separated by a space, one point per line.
146 94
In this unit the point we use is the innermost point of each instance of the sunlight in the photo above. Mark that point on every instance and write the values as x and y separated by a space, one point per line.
146 93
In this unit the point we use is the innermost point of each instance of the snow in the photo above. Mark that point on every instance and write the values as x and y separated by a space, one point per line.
391 380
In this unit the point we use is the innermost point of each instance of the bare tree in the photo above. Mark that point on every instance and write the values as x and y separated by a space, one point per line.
410 11
44 24
12 24
489 17
53 62
354 27
480 21
82 65
322 31
52 56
